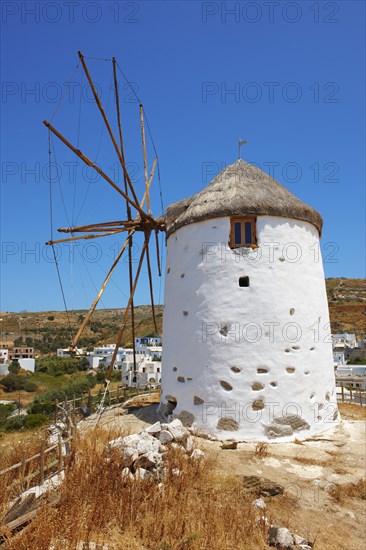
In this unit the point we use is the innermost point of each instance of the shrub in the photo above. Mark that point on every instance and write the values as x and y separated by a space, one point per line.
37 407
24 421
14 368
56 366
14 423
12 382
51 318
30 386
45 403
5 411
35 420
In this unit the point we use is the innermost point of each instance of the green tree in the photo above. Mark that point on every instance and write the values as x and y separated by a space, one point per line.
14 368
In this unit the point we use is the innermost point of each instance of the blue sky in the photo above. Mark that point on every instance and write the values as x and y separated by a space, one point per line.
286 76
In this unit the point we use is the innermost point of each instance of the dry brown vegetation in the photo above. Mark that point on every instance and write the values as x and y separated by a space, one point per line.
194 511
352 411
340 493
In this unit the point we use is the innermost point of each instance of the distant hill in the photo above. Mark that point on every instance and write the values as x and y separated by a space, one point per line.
49 330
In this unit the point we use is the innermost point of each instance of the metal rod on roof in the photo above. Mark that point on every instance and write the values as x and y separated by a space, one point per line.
240 143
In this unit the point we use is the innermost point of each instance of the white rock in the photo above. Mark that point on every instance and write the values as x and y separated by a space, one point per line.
154 429
177 430
350 514
130 454
189 444
150 460
131 440
115 443
140 473
127 474
197 454
259 504
148 444
280 537
176 472
165 437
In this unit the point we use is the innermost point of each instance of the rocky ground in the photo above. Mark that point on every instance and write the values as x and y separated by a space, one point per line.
314 478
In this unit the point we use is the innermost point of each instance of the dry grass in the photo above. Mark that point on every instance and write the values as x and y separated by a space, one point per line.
261 449
341 493
350 411
194 511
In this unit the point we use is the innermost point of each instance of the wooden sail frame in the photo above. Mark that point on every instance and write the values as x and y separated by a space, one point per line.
142 222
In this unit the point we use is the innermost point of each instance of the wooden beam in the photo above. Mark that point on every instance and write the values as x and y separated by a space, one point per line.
114 226
90 236
95 303
145 158
90 163
157 251
96 300
151 285
130 243
122 329
99 104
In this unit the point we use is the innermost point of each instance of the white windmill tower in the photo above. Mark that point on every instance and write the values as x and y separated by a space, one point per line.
246 334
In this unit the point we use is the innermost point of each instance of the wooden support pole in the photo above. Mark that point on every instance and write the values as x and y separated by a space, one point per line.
151 286
22 472
89 400
86 237
96 300
41 462
56 410
122 329
145 157
157 251
119 255
60 457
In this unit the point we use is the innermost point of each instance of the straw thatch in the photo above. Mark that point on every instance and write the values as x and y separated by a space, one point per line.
240 189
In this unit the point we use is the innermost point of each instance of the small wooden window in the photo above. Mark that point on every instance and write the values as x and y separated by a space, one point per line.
243 232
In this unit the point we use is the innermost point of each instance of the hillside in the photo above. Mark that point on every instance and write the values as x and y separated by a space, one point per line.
48 330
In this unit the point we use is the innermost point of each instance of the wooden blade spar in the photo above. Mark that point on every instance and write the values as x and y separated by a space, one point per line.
129 216
142 222
90 163
106 280
145 156
99 295
99 104
150 282
122 329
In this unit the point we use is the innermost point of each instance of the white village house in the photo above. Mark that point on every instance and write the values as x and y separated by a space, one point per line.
247 353
147 358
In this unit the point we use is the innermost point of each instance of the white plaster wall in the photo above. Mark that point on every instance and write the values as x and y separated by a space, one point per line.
279 322
27 364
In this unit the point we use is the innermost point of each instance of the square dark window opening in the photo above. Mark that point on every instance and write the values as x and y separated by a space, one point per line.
244 281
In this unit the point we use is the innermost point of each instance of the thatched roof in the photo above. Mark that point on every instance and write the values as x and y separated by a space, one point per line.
240 189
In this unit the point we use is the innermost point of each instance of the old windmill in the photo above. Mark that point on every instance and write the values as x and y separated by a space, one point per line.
138 215
231 270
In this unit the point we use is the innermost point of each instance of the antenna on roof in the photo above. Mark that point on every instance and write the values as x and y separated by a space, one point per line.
240 143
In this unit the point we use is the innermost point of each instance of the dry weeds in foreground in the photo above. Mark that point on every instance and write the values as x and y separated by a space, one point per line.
194 511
